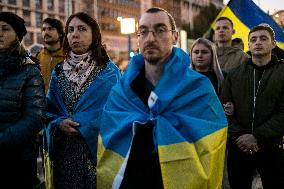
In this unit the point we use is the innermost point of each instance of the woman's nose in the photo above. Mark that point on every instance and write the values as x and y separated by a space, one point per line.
75 33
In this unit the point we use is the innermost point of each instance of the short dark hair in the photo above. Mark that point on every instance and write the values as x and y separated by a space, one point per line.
266 27
98 49
57 24
226 18
158 9
238 42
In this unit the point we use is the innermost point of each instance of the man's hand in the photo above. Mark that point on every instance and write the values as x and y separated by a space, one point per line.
229 108
69 127
247 143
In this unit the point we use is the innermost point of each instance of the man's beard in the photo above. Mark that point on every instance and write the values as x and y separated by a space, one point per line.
152 60
52 42
259 55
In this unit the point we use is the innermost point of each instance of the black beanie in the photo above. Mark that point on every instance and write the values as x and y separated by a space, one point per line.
16 22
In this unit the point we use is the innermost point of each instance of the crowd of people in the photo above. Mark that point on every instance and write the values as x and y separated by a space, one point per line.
174 119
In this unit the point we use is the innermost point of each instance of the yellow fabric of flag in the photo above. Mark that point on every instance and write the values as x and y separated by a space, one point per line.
245 14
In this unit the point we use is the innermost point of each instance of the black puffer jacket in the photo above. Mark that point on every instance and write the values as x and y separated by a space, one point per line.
22 103
265 118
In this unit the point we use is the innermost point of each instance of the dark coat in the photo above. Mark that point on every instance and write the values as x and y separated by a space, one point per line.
268 123
22 103
230 57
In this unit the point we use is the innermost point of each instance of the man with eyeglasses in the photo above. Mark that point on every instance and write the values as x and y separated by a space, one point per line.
163 125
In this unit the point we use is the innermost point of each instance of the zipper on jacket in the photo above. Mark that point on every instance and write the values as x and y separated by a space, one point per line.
255 92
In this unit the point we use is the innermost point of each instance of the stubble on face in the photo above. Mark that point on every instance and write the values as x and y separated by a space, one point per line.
260 43
149 55
51 40
154 48
50 34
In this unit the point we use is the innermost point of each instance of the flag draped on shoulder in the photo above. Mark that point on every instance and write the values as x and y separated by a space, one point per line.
245 14
190 127
86 112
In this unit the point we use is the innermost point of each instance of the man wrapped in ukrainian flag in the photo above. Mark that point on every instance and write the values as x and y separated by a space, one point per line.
163 125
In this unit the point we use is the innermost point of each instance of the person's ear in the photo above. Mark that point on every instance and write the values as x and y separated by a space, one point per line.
273 44
175 37
234 31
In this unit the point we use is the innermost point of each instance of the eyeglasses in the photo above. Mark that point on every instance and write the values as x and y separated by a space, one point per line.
157 32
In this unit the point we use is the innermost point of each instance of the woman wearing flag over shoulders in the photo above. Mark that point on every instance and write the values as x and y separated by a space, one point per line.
77 93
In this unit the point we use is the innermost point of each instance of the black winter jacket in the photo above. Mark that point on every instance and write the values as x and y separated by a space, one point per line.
22 103
264 118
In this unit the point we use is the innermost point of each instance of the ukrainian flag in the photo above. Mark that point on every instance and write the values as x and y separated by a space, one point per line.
245 14
190 127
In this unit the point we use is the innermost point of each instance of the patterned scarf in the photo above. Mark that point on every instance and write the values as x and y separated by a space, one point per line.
77 69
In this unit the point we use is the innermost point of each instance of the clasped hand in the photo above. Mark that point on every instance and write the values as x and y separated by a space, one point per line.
69 127
247 143
229 108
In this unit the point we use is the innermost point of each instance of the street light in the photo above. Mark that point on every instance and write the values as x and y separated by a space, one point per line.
127 26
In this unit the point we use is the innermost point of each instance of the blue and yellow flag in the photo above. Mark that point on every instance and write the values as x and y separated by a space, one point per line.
190 127
245 14
87 112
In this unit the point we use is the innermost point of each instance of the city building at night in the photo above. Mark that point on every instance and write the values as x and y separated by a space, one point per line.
106 12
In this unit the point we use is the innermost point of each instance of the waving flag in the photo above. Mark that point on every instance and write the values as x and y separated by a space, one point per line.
245 14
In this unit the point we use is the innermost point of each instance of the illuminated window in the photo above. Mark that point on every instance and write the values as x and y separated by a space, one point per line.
61 6
26 3
38 4
27 17
38 19
12 2
50 5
